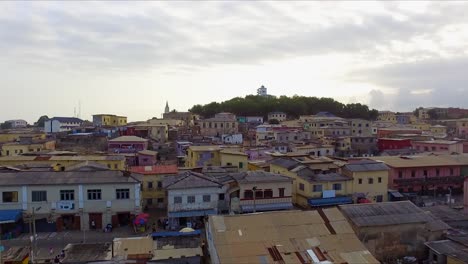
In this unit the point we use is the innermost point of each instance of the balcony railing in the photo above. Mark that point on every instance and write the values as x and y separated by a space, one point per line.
192 206
431 180
267 201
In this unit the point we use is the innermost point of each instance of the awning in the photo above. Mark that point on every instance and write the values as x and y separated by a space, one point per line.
10 216
396 194
330 201
175 233
266 207
192 213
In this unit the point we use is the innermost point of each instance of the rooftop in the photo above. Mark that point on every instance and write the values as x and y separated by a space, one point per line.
390 213
366 166
439 141
418 161
63 178
233 152
128 139
259 176
62 158
287 237
450 248
148 152
190 179
155 169
67 119
288 164
205 148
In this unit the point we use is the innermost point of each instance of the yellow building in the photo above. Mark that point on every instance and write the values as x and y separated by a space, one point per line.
200 156
438 130
18 148
234 158
152 192
109 120
158 132
421 126
387 116
369 180
311 184
113 162
15 136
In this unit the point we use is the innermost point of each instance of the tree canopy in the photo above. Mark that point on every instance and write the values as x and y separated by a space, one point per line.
6 125
40 122
254 105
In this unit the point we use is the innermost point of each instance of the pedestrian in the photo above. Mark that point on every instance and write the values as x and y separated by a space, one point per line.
62 254
56 259
93 225
51 251
154 227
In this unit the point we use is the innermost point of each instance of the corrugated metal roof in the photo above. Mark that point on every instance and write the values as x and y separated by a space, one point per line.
285 163
366 166
155 169
128 139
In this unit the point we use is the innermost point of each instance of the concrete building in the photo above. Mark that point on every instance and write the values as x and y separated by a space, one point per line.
285 237
26 145
453 250
360 127
384 144
364 146
462 128
152 192
61 124
262 91
233 158
187 117
109 120
393 230
439 146
222 123
232 139
387 116
280 116
70 200
127 144
17 123
370 180
424 174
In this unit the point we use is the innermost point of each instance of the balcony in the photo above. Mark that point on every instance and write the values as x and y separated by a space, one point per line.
431 180
266 201
179 207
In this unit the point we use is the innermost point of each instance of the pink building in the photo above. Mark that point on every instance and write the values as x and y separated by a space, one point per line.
127 144
147 158
424 174
462 128
440 146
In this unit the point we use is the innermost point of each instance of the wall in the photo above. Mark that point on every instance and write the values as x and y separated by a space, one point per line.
154 193
370 190
235 160
444 171
111 164
198 193
203 158
444 148
52 126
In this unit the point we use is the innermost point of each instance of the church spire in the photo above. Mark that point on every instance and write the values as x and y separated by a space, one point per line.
166 110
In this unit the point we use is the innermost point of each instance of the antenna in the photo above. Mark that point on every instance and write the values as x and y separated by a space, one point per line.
79 109
74 111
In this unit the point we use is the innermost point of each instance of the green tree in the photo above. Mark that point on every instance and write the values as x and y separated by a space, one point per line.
6 125
40 122
273 122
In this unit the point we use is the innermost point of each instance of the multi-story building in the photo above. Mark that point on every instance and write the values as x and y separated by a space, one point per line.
153 194
360 127
387 116
440 146
109 120
423 174
384 144
157 132
234 158
17 123
280 116
63 162
369 180
205 156
61 124
405 118
70 200
127 144
364 146
26 145
462 128
222 123
438 131
262 91
188 118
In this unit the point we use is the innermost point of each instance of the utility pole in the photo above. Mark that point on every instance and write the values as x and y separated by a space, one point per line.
254 194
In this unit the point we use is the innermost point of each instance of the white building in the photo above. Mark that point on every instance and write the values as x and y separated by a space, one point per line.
262 91
61 124
17 123
280 116
232 138
70 200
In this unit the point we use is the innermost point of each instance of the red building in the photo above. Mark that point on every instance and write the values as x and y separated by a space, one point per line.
393 143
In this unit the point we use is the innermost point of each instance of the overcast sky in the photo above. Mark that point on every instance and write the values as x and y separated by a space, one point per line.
129 58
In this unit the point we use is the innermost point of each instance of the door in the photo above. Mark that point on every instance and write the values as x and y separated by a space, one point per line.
97 218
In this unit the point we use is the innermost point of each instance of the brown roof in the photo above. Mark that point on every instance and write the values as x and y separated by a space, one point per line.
288 237
418 161
155 169
128 139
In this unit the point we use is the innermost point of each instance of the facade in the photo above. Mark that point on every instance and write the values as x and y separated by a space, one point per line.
387 116
127 144
61 124
439 131
109 120
13 136
284 237
187 117
191 196
26 146
423 174
462 128
232 139
153 194
234 158
147 157
360 127
71 200
364 146
315 150
280 116
439 146
384 144
262 91
393 230
17 123
62 163
370 180
222 123
200 156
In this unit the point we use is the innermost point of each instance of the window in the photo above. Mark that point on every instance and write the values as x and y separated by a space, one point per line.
413 174
301 186
337 186
122 194
149 201
150 185
159 184
317 188
425 172
177 199
221 197
212 155
116 166
241 165
160 200
10 197
67 195
281 192
268 193
108 166
94 194
359 181
206 198
258 194
437 172
191 199
400 174
370 180
39 196
451 171
379 180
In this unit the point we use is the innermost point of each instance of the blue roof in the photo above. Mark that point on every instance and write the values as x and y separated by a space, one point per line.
325 114
267 207
192 213
67 119
10 216
175 233
329 201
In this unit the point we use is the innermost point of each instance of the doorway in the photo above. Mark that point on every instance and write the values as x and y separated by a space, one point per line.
97 218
